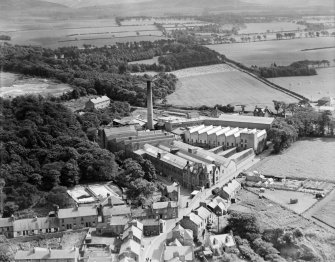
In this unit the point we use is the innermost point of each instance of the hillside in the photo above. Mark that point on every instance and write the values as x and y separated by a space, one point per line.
29 6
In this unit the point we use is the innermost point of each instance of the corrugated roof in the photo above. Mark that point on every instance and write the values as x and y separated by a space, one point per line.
82 211
46 254
35 223
214 130
223 131
195 128
205 129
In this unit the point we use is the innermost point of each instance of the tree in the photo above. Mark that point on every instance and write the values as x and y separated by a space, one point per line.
282 135
245 225
58 196
10 208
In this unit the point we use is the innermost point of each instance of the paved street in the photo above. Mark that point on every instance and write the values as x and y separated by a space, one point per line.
154 247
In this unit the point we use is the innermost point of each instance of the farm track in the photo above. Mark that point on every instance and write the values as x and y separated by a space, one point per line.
270 84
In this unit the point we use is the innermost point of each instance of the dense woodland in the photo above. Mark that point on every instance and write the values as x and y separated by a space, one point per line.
105 71
304 121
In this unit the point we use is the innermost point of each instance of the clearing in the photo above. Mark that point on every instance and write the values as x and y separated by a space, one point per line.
283 52
312 87
309 158
13 85
221 84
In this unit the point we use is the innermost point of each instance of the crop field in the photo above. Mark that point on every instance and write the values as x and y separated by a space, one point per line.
14 85
312 87
220 84
305 200
269 27
282 52
308 158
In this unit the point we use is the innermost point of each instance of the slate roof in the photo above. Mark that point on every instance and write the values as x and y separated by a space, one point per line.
130 245
162 205
195 218
35 223
6 222
116 210
83 211
186 251
231 187
136 232
203 212
46 254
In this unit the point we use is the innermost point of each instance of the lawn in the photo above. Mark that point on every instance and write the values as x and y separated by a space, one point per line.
282 52
312 87
211 85
308 158
305 200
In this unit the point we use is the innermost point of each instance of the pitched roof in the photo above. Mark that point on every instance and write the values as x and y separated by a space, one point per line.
6 222
130 245
203 212
224 239
231 187
118 220
175 243
150 222
116 210
35 223
161 205
46 254
173 187
135 231
186 251
114 201
83 211
195 218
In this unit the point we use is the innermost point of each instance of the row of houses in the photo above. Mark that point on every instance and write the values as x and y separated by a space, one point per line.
226 137
106 217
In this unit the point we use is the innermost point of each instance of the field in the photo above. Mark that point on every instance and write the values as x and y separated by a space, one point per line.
308 158
312 87
326 213
220 84
283 52
305 200
12 85
269 27
76 32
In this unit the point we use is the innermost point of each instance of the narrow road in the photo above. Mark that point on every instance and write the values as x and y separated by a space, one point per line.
155 249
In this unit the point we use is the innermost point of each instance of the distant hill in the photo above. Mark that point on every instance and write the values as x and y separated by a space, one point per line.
28 6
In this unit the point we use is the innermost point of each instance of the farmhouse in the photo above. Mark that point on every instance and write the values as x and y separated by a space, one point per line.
97 103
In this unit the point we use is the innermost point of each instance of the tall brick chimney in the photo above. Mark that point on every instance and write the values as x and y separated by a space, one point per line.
150 124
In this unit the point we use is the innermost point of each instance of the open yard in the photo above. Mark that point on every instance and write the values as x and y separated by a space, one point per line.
12 85
283 52
312 87
305 200
211 85
308 158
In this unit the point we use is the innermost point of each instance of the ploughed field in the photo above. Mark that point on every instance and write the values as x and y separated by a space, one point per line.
308 158
282 52
222 84
12 85
312 87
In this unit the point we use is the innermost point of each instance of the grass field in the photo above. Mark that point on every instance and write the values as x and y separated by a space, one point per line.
327 212
12 85
308 158
211 85
312 87
271 27
146 61
282 52
305 200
